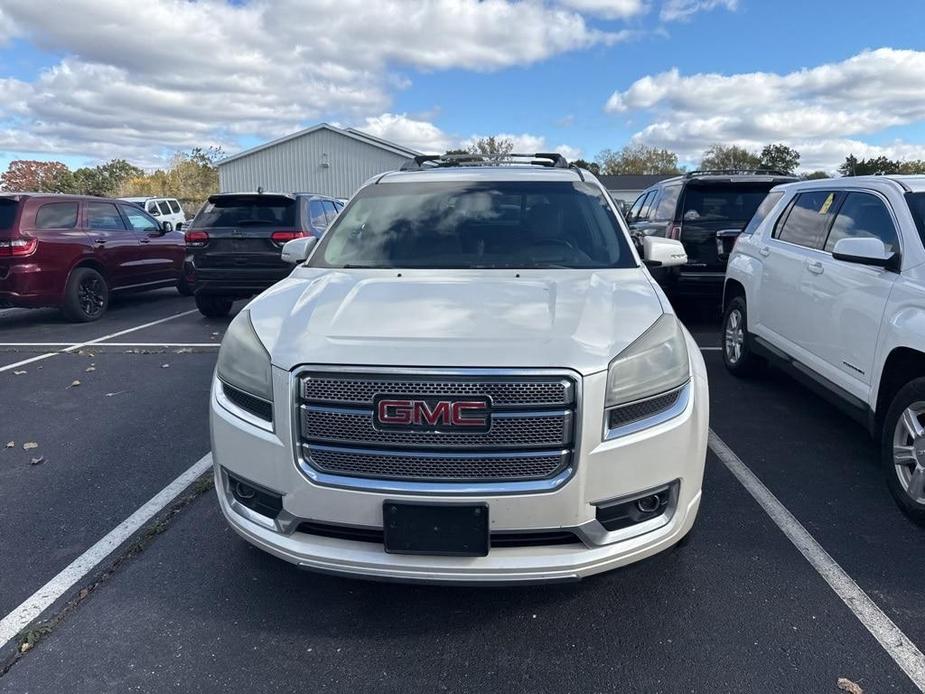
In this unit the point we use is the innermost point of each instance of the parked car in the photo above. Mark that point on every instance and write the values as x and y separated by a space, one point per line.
233 243
706 211
470 378
829 283
162 209
73 252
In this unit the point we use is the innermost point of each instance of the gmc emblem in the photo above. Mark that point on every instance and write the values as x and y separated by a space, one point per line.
431 414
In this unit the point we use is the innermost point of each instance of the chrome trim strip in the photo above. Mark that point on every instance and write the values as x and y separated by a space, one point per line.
676 409
442 488
222 399
405 453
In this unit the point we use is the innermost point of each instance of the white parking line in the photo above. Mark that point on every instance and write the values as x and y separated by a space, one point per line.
893 641
44 597
81 345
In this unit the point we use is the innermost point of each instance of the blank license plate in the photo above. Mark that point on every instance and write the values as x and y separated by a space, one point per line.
440 529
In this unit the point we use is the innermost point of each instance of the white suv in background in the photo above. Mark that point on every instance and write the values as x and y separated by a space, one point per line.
828 281
162 209
471 378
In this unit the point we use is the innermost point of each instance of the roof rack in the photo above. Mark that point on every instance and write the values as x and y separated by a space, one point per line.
431 161
736 172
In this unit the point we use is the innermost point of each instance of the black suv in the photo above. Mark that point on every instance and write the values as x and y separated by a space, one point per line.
706 211
233 244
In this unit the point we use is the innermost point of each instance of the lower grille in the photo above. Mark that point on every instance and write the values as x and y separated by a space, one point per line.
435 468
531 538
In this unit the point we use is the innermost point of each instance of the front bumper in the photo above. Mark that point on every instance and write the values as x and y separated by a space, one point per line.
605 470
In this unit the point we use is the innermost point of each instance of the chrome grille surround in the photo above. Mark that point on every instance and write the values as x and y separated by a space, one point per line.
528 449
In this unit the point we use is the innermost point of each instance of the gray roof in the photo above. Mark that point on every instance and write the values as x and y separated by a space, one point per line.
349 132
631 182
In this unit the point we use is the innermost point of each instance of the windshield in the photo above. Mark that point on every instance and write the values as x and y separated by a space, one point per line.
519 224
246 210
714 203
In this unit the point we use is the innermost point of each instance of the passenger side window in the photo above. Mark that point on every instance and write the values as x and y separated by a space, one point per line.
316 213
138 220
863 216
330 211
57 215
666 206
634 210
151 207
647 203
174 206
103 215
808 219
164 207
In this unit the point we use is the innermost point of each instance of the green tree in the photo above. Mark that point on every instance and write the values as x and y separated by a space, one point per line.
638 160
27 175
879 166
591 166
719 157
815 175
779 157
494 145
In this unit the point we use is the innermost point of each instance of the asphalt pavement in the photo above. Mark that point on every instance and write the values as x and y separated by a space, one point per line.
737 609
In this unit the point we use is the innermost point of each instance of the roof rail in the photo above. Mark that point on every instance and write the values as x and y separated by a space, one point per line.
548 159
736 172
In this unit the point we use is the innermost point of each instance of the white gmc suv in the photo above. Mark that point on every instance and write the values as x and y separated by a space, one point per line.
470 378
828 281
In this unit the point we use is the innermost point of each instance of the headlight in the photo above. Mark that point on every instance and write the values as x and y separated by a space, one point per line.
243 361
655 363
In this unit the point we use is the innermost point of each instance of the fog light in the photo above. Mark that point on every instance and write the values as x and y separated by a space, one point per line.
617 514
650 504
254 497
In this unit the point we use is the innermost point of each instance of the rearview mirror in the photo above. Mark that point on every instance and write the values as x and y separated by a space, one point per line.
298 250
662 252
865 251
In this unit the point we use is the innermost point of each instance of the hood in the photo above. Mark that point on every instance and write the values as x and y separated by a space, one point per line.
576 319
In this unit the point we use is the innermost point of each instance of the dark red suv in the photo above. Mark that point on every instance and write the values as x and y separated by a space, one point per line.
73 252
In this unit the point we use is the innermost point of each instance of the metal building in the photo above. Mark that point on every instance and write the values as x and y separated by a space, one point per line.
321 159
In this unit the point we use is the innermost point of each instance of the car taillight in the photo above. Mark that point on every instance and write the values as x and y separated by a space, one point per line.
18 247
674 231
280 237
196 238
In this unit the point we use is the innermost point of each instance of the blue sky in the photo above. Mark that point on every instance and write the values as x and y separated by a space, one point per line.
94 82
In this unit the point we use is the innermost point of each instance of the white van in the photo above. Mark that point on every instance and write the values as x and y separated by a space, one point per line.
162 209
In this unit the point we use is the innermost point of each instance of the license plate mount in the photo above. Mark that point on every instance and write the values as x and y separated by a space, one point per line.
451 530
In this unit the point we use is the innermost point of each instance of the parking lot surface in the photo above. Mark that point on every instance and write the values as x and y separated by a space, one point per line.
738 608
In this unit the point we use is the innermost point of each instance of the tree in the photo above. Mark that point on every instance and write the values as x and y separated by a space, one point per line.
591 166
720 157
492 146
639 160
814 175
779 157
108 179
452 152
880 166
24 175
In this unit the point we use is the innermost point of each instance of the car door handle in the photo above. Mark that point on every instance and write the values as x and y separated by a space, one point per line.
146 240
814 267
101 241
764 251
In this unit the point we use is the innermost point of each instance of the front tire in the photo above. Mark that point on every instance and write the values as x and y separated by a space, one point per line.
903 449
213 306
737 353
86 296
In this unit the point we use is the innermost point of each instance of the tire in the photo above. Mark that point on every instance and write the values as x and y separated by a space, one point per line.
86 296
184 288
213 306
736 346
902 453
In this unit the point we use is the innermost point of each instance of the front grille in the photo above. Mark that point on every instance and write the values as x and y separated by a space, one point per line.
531 436
527 538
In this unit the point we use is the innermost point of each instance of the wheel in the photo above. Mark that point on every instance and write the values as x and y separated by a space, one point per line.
903 449
737 354
184 288
213 306
86 296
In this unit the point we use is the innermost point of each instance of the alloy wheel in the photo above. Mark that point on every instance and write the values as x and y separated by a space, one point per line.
909 451
734 336
91 296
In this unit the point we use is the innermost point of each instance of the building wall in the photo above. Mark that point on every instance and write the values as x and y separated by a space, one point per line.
296 166
627 196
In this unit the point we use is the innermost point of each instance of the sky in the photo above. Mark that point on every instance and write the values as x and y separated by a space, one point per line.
90 80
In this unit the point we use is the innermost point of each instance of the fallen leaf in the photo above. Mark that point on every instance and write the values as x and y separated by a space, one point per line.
73 385
165 366
89 369
39 460
18 373
25 647
118 392
847 685
29 445
11 444
184 350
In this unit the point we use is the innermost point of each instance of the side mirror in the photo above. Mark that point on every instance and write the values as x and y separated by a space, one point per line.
178 227
298 250
165 227
661 252
865 251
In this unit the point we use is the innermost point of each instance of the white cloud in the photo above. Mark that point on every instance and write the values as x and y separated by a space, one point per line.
609 9
416 134
683 10
823 108
258 69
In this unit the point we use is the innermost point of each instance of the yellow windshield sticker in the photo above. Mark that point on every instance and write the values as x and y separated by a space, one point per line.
827 204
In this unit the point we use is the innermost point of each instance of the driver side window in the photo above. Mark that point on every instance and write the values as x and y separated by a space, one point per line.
138 220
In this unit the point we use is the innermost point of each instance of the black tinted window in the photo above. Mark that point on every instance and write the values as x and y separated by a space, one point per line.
103 215
916 207
634 210
477 225
764 209
863 216
808 218
666 206
174 206
246 210
8 209
56 215
722 202
646 204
